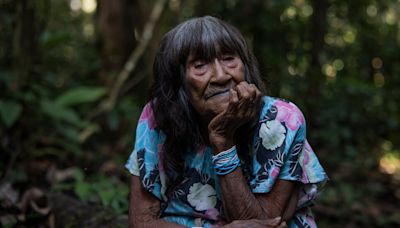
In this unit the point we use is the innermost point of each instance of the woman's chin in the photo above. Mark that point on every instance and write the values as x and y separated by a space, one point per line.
220 100
219 107
213 106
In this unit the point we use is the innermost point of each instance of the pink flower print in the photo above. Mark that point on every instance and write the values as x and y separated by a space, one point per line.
306 151
201 149
304 177
212 214
160 158
290 114
147 115
311 221
275 173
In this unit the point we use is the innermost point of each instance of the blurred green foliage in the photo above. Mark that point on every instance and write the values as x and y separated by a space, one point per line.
109 191
337 60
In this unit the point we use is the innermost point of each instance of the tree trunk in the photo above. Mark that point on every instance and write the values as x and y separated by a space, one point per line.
315 77
117 22
31 17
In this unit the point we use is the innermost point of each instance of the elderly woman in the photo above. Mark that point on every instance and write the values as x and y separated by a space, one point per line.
211 149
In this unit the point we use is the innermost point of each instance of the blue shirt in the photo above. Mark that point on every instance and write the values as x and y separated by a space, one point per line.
280 151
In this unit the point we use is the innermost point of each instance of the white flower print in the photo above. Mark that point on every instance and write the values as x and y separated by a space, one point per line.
272 134
202 197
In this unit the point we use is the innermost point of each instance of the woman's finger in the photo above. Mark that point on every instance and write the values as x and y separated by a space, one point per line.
245 100
244 91
283 225
273 222
256 100
252 102
233 97
253 91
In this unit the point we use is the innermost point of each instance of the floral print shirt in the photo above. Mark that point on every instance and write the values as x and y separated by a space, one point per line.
281 151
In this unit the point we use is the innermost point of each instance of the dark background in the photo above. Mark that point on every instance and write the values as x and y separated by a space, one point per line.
74 75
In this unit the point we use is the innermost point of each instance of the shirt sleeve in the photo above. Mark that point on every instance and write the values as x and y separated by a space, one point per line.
282 151
144 159
301 163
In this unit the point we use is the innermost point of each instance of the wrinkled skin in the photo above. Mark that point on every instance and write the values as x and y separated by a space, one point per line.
244 105
221 96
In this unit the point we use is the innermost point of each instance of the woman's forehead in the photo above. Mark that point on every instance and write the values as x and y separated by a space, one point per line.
206 40
207 53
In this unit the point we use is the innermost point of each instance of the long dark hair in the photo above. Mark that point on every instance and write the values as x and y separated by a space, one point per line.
204 38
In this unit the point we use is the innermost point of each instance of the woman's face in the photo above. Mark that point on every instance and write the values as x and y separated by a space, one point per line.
208 83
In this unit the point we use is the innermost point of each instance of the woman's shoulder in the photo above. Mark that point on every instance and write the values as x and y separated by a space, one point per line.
283 110
147 115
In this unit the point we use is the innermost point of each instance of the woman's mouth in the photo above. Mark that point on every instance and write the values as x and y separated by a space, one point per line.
216 93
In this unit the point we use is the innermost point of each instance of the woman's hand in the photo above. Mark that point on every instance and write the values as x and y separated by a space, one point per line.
244 105
257 223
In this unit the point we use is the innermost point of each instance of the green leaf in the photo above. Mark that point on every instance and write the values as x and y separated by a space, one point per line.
59 112
68 147
79 175
70 133
10 111
80 95
83 190
106 196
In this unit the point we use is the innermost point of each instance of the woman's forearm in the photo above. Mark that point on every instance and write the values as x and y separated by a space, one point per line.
144 209
238 201
241 204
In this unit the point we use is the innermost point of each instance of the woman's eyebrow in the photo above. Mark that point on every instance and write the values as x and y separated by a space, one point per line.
227 52
192 59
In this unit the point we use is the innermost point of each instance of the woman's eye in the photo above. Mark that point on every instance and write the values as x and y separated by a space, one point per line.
228 58
199 65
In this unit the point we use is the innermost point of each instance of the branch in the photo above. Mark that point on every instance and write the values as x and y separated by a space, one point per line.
131 63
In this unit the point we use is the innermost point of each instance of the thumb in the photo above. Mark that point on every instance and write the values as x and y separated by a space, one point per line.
275 221
283 225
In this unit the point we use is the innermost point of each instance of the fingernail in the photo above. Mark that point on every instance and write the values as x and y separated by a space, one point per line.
277 218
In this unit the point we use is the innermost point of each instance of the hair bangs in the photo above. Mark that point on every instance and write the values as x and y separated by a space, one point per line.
206 39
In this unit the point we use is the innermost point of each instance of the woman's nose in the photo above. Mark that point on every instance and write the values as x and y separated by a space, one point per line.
219 74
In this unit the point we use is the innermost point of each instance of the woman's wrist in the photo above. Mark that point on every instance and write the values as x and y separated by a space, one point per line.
219 143
226 162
